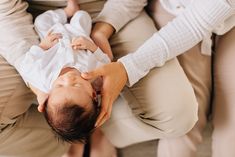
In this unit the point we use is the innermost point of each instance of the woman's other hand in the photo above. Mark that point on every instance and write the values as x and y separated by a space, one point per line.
114 79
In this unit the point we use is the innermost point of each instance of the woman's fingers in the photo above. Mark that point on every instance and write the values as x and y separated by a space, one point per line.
106 109
106 105
114 79
107 101
100 117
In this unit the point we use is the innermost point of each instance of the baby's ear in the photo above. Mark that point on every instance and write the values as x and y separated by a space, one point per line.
42 98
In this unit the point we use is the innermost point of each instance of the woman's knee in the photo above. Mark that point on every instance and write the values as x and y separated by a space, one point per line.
172 121
224 95
166 100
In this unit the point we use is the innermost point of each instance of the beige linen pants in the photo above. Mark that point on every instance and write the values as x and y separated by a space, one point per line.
22 134
197 67
224 97
161 105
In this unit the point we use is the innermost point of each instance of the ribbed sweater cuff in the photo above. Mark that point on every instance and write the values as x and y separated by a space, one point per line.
133 73
153 53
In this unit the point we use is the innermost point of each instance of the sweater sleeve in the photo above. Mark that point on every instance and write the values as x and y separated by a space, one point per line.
16 29
120 12
185 31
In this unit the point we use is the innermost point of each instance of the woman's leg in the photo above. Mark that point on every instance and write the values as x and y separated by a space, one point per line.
153 107
224 97
30 136
197 68
101 146
15 97
23 132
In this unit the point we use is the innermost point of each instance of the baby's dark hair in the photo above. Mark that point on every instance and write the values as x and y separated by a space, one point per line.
71 122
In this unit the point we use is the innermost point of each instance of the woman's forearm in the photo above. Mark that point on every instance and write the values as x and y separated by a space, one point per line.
101 33
189 28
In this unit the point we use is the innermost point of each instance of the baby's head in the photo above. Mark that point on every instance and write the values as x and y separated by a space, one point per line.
72 107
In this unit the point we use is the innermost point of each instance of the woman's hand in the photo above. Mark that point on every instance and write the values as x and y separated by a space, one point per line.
82 43
50 40
114 79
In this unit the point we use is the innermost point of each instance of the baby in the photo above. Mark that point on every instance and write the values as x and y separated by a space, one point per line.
53 69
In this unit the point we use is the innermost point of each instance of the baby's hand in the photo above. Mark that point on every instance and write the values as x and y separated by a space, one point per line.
50 40
82 43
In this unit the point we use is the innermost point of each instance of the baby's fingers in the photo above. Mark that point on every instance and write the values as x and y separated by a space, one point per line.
79 46
55 41
55 36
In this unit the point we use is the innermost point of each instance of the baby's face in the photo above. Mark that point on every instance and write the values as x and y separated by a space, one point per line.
71 88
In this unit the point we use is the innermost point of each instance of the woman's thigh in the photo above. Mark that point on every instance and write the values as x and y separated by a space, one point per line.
224 96
15 97
23 132
196 65
30 136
